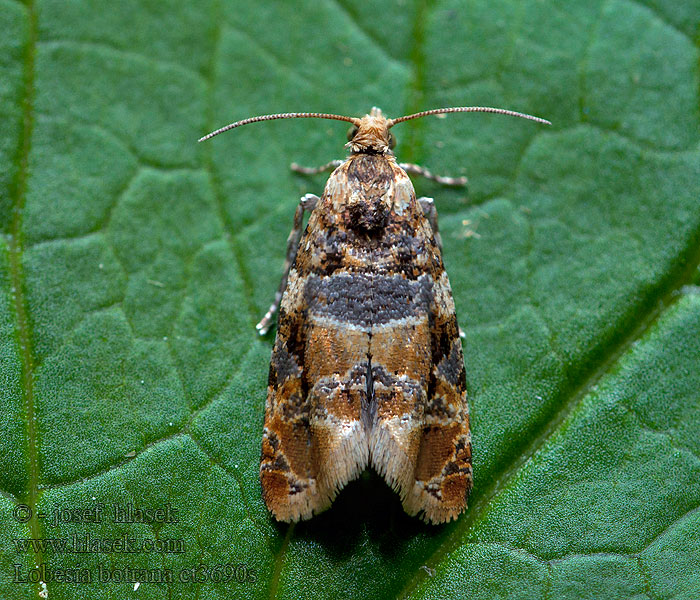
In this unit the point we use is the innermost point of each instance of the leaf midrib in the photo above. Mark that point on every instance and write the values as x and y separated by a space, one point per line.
15 255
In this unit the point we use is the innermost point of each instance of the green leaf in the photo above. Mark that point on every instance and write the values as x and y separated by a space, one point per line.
134 264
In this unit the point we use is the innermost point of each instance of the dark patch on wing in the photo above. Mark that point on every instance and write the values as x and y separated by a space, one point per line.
284 365
452 365
364 299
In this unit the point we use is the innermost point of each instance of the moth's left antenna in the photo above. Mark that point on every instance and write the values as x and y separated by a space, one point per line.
352 120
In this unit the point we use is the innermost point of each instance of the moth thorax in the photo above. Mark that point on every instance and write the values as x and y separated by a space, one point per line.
368 197
368 213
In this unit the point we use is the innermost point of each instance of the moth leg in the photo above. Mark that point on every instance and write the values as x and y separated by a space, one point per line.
423 172
334 164
307 203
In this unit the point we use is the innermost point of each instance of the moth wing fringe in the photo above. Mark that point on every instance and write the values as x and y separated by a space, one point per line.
390 460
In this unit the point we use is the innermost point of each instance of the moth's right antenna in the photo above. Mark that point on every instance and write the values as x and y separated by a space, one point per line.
454 109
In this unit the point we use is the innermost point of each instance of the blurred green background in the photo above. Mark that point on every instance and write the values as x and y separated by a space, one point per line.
135 262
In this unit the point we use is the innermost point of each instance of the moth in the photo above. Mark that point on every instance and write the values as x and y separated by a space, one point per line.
367 367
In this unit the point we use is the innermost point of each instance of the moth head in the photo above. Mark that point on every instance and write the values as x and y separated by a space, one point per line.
371 135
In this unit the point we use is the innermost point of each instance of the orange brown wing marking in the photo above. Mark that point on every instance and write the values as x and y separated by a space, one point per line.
336 359
400 370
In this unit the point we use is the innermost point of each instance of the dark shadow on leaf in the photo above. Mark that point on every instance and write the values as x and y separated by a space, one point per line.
367 508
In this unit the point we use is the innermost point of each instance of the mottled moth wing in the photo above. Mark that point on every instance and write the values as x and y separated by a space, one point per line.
420 439
443 469
314 440
367 367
